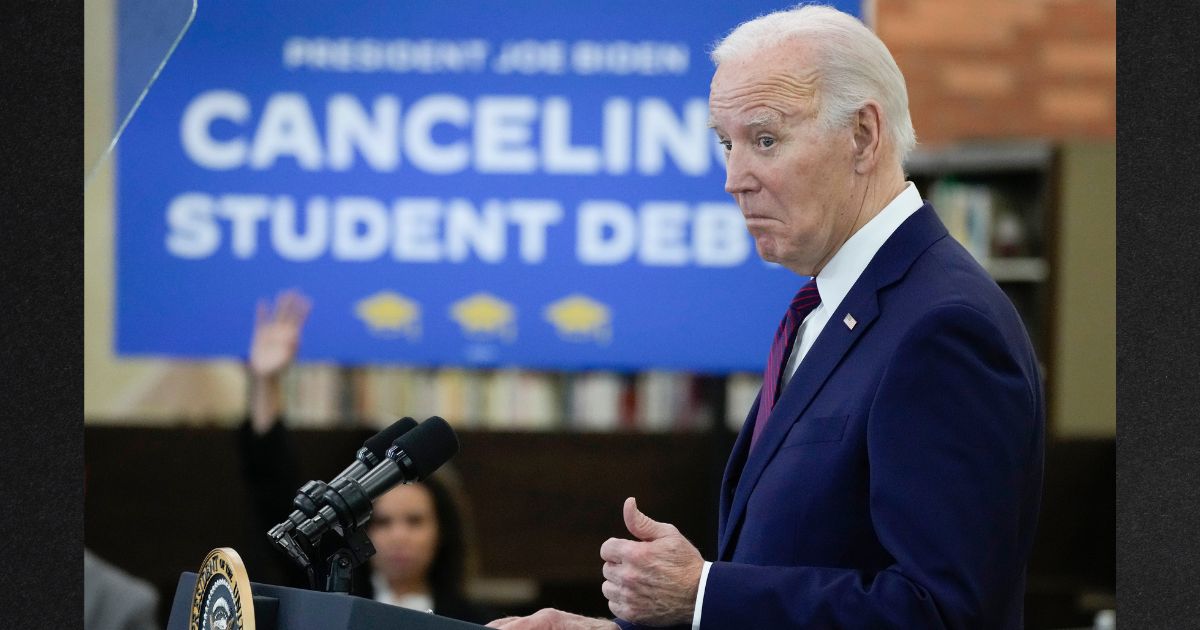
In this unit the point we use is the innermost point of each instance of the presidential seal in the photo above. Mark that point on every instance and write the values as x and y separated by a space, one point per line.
221 599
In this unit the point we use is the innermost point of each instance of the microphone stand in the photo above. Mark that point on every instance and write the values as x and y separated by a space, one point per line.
347 508
355 550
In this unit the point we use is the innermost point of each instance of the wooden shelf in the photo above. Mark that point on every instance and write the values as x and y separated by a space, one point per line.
991 157
1023 269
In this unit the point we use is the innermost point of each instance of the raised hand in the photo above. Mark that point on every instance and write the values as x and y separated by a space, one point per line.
272 349
277 333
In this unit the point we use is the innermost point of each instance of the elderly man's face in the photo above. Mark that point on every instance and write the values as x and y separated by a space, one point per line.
793 181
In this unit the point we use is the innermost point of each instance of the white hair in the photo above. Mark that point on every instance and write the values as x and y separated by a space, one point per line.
853 65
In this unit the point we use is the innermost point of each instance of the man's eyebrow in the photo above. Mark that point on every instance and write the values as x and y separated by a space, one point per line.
764 118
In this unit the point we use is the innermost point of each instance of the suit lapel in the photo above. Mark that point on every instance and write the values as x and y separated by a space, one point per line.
834 343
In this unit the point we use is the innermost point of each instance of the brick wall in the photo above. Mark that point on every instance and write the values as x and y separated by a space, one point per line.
986 69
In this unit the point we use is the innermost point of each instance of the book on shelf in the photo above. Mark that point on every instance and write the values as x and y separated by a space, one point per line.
966 210
499 398
740 391
312 395
669 401
537 402
654 407
379 402
358 396
458 397
511 398
698 414
595 401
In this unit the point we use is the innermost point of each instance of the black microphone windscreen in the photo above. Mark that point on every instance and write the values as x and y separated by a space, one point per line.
429 445
382 441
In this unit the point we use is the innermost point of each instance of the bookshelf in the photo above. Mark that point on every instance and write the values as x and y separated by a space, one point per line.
1000 200
319 395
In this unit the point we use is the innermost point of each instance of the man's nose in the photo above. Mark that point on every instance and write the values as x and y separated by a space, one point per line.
738 175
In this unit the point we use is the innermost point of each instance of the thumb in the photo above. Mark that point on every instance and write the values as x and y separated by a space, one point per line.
642 526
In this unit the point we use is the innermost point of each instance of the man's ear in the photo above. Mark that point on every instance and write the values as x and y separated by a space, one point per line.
868 137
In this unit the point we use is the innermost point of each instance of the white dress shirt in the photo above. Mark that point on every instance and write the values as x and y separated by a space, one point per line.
422 602
833 283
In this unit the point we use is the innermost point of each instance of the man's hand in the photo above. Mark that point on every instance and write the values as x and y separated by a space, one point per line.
652 582
277 334
551 619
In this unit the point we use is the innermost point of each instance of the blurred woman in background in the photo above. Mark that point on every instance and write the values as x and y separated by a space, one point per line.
419 530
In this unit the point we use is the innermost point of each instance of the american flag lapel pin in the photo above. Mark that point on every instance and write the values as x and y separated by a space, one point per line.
850 321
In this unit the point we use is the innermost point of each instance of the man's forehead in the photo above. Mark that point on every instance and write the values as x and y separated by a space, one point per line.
759 99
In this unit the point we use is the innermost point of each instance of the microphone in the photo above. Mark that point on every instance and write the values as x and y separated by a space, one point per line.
415 456
369 456
412 457
375 448
311 496
373 451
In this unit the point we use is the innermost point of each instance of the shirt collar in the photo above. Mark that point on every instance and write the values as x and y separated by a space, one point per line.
842 271
412 601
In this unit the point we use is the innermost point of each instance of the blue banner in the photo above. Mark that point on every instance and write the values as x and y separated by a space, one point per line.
518 183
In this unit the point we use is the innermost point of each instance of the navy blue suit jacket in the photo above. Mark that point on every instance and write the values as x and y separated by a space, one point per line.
897 481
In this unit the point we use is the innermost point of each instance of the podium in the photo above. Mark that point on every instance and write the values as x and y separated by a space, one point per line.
284 608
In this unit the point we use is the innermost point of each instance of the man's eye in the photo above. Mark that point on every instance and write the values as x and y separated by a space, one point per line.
727 144
766 142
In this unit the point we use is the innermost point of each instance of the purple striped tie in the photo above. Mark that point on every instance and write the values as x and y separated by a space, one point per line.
805 301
